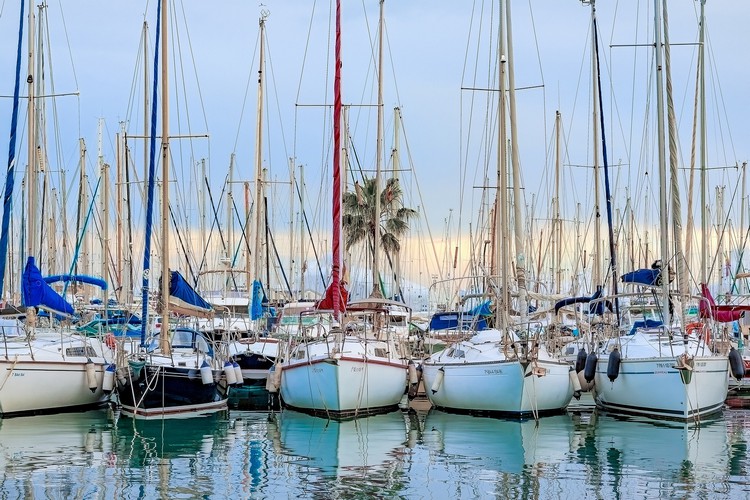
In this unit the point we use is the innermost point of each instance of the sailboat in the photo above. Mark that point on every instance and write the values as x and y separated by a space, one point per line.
354 369
45 366
176 371
654 366
505 369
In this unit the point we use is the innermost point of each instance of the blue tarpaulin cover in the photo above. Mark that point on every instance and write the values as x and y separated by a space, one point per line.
36 292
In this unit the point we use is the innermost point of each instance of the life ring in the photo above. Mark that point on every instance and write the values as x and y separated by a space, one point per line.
699 329
109 339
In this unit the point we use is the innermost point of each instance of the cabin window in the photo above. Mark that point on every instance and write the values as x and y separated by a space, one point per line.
300 354
83 351
380 352
458 353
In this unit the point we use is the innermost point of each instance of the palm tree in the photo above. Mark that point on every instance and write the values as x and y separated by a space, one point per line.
359 216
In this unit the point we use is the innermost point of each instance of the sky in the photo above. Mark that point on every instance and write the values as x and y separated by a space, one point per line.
435 52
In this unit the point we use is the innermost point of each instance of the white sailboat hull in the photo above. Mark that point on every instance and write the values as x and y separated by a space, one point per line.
499 387
343 384
652 387
649 384
48 380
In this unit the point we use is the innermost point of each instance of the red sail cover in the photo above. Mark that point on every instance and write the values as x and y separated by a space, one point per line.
724 313
327 301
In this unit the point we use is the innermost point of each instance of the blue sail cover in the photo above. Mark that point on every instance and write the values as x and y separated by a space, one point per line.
597 308
258 297
36 292
78 278
184 300
649 277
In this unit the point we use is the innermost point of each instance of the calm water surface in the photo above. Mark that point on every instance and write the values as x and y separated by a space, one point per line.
406 454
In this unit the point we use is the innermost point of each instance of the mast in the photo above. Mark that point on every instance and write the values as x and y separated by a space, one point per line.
31 236
663 210
682 275
516 169
376 291
230 205
302 261
597 268
501 203
336 209
165 341
703 160
557 238
258 229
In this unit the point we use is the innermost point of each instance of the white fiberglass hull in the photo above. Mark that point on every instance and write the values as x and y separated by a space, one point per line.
343 384
654 388
648 382
48 380
505 387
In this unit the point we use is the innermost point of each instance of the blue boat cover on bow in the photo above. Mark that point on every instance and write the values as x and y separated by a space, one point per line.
184 299
36 291
78 278
649 277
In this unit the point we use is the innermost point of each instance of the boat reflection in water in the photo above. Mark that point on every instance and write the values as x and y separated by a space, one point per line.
37 451
364 454
645 457
508 446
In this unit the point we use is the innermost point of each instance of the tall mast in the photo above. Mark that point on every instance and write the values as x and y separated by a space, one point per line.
336 202
597 267
516 168
501 200
165 341
376 291
663 210
557 238
704 161
258 229
230 206
31 236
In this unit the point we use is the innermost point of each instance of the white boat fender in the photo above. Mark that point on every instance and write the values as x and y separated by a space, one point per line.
413 376
736 364
581 360
229 373
237 373
207 374
91 375
108 383
586 386
575 383
589 371
613 368
273 382
438 382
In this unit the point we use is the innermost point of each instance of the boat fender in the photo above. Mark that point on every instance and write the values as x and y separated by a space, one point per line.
581 360
207 374
238 373
575 383
613 368
413 377
586 386
110 341
108 383
273 382
91 375
736 364
438 382
590 369
229 373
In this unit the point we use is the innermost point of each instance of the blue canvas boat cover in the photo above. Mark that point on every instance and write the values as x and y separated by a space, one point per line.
36 291
649 277
78 278
184 299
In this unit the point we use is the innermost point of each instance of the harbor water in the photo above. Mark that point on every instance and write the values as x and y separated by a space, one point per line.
410 453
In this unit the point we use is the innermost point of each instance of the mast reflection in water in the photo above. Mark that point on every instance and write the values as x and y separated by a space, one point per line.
422 454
